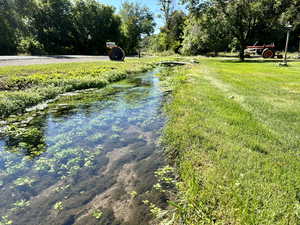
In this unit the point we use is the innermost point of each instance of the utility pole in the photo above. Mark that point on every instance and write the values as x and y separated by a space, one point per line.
289 28
299 48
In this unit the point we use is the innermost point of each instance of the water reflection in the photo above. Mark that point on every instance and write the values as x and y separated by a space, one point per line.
86 152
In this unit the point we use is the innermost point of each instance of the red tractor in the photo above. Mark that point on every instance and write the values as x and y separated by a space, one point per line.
266 51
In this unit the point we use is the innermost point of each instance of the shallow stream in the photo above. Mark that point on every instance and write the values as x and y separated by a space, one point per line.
87 158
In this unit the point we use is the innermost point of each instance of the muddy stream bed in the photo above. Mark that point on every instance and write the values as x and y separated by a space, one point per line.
87 158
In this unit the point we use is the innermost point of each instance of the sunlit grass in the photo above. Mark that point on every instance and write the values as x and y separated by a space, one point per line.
234 131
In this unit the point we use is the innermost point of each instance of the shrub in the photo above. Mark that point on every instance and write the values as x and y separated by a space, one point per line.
31 46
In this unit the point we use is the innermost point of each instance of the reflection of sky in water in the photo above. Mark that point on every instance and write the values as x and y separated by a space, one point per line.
73 134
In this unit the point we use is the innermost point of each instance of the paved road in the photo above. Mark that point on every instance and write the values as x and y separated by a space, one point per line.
31 60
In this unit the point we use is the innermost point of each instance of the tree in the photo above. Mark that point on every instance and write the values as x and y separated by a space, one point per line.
171 36
94 24
166 6
52 21
158 42
246 19
136 22
175 31
14 19
206 33
292 14
8 28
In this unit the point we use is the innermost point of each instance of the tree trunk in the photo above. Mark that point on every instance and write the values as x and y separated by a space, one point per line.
241 53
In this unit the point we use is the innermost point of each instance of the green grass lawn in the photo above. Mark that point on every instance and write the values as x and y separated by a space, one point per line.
234 135
24 86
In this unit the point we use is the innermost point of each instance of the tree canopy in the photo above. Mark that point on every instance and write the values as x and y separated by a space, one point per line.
136 21
245 21
70 26
83 26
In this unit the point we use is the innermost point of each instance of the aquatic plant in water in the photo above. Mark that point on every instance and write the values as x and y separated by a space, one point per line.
12 164
73 142
165 175
62 188
115 128
22 181
133 194
5 221
21 203
114 136
95 137
29 140
156 211
97 214
58 206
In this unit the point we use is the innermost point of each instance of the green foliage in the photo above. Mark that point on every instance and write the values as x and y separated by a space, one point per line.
136 21
175 30
159 42
93 25
30 46
246 21
171 35
52 21
166 7
208 33
165 175
8 24
66 26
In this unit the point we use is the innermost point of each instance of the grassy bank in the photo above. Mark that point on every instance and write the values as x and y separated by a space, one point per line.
24 86
233 132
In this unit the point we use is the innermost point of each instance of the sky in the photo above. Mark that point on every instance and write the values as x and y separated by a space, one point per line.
152 4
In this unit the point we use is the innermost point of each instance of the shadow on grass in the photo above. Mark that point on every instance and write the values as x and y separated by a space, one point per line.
59 56
258 60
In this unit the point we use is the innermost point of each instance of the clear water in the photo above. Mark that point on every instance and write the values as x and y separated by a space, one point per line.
89 158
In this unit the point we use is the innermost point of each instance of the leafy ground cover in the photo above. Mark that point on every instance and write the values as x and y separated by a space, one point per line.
233 133
24 86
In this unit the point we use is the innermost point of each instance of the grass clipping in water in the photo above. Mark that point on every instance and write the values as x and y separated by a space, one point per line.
233 132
